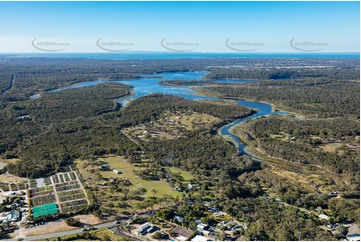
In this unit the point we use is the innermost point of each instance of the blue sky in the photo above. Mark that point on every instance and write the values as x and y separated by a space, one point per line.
199 26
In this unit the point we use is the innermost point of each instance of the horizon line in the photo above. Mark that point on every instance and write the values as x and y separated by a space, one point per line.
189 52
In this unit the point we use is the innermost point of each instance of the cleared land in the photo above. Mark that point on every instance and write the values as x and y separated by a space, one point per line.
120 191
50 227
330 147
9 161
127 172
101 234
171 125
89 219
186 175
9 182
6 177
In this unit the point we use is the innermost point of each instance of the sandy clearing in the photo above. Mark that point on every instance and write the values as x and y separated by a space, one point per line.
50 227
89 219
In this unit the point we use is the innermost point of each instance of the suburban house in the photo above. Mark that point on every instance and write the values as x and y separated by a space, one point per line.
353 237
190 202
117 171
178 218
105 167
332 194
147 228
292 139
204 229
324 216
353 233
199 238
12 216
213 209
219 214
181 234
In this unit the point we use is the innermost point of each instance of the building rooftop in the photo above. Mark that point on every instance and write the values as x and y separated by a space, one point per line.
199 238
182 232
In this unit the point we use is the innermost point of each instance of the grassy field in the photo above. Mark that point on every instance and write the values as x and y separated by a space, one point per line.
9 161
110 198
101 234
195 120
106 235
282 136
306 180
330 147
12 178
171 125
161 187
187 176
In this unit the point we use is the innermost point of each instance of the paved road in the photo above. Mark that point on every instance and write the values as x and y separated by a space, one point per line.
65 233
75 231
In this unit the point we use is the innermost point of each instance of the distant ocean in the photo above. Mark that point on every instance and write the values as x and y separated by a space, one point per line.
188 55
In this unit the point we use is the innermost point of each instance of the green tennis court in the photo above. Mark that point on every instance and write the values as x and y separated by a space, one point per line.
45 210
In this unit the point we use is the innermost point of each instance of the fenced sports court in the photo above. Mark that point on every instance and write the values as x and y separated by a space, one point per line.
46 209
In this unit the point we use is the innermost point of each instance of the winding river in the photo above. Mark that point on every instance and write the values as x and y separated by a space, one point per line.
149 84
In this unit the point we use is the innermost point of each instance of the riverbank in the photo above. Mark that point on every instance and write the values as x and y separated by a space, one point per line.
275 107
144 87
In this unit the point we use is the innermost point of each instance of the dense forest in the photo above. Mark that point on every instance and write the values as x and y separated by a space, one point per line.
150 107
307 136
317 98
53 130
58 127
36 74
48 132
199 152
281 74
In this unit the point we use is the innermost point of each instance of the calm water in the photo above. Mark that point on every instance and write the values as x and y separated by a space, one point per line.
150 84
263 109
